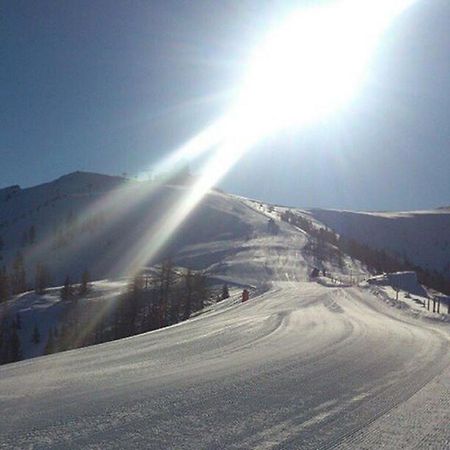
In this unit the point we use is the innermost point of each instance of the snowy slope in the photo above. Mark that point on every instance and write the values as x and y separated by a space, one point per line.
301 367
305 365
225 236
85 220
45 312
89 221
423 237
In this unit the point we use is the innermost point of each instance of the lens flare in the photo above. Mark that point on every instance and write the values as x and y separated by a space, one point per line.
313 64
308 67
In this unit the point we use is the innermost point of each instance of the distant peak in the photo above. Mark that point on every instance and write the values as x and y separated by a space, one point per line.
80 175
86 182
9 191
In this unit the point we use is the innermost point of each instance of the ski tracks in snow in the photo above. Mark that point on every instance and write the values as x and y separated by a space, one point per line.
303 366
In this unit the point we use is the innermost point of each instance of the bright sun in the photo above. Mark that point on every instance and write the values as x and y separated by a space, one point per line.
309 66
313 63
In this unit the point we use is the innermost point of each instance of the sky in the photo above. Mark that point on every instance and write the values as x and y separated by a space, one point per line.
116 86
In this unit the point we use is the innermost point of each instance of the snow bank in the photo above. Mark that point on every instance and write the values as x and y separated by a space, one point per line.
405 281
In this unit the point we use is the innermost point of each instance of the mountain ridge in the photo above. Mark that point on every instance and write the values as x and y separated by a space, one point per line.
107 208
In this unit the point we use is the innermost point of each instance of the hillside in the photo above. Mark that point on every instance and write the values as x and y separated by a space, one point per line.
102 222
302 366
99 222
91 221
422 237
305 363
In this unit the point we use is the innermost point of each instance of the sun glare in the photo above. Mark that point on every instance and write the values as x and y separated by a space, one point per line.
309 66
313 63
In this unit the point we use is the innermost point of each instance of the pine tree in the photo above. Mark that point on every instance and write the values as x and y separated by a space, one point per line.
225 292
189 281
132 304
66 292
200 290
18 276
84 286
50 346
3 340
42 279
15 349
166 280
137 284
18 322
4 285
32 235
36 336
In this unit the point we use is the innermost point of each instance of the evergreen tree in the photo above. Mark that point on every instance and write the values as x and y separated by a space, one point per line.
66 292
84 286
15 349
166 280
42 279
18 276
4 285
36 336
3 340
50 345
189 282
127 307
132 304
32 235
137 285
225 292
200 291
18 322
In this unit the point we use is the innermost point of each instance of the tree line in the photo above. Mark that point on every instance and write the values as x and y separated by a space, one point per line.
151 300
10 341
376 261
15 281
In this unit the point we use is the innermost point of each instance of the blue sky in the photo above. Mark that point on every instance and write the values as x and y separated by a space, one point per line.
113 87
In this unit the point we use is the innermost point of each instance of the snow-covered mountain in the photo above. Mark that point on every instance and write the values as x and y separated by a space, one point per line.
96 222
421 237
301 365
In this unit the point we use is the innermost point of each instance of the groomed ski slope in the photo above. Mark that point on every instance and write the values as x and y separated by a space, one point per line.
303 366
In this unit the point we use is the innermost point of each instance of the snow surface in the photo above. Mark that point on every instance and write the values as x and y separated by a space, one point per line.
46 311
423 237
101 218
88 221
301 366
304 365
403 291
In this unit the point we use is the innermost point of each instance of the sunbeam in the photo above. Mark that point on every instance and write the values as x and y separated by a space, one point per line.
308 67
